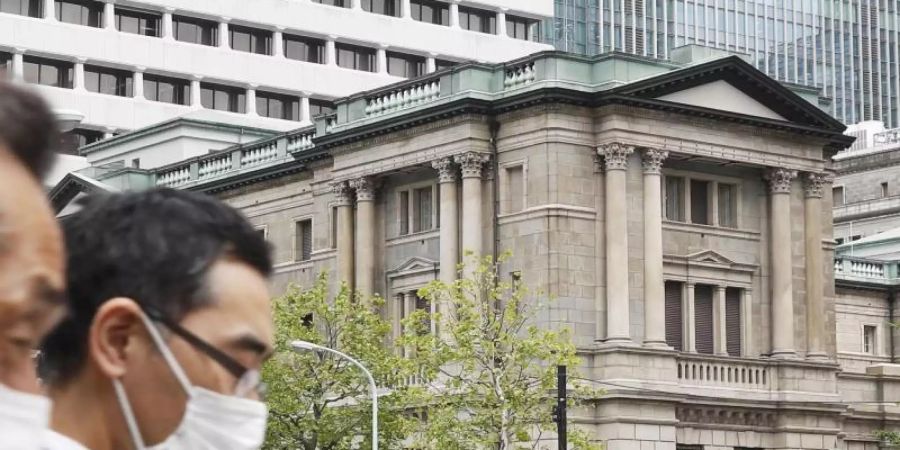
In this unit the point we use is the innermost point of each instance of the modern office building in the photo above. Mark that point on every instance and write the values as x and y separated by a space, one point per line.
846 48
273 63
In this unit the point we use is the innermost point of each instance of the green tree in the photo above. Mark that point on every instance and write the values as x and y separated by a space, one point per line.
318 401
491 371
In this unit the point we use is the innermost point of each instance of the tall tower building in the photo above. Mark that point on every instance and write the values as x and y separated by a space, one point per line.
846 48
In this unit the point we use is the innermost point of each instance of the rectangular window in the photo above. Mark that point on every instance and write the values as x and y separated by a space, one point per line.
355 57
80 12
320 107
674 324
430 11
440 64
703 318
675 198
136 163
304 240
5 65
884 189
48 72
108 81
223 98
386 7
250 40
30 8
334 226
138 22
727 205
195 31
304 49
403 65
837 195
422 209
700 202
403 208
339 3
515 189
77 138
869 338
521 28
167 90
733 322
422 304
477 20
277 106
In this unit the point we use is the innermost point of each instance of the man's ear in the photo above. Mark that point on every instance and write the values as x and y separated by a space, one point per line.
114 337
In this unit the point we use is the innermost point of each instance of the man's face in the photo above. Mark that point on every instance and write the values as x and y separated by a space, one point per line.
32 272
238 322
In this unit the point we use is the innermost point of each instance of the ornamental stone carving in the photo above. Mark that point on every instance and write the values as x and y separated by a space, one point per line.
615 155
343 193
471 163
365 189
814 183
652 160
446 170
780 180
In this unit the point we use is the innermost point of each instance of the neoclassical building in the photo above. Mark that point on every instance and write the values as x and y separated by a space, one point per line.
680 215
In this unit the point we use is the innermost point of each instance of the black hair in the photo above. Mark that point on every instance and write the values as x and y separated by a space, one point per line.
154 247
28 128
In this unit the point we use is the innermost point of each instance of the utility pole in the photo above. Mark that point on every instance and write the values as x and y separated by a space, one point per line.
561 394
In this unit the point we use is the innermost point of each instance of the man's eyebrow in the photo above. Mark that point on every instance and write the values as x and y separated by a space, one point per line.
47 293
251 343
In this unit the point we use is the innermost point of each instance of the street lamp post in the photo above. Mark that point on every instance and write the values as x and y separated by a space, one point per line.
309 346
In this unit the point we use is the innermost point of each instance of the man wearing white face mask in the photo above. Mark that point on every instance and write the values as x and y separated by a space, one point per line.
169 326
31 263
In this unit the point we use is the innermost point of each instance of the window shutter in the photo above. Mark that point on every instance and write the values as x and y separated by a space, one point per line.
673 315
703 318
306 250
404 212
733 323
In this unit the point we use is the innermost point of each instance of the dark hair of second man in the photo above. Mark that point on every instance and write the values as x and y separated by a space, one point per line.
28 128
155 247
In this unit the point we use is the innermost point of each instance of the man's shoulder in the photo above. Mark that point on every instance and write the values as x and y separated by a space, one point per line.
55 441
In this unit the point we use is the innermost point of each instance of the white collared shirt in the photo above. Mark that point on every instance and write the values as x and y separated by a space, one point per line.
55 441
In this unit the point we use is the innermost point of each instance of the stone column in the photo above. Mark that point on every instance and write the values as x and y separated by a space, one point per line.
251 100
747 323
365 235
224 41
615 157
501 22
688 326
815 267
78 78
405 9
396 316
109 15
278 42
449 218
720 346
344 244
330 51
196 102
780 270
654 285
454 13
139 82
381 65
18 65
50 10
304 108
431 63
472 240
168 27
409 305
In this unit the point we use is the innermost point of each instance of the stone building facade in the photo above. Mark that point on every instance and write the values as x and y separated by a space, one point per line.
680 215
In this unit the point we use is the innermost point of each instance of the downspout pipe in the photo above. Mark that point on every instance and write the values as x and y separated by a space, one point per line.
494 127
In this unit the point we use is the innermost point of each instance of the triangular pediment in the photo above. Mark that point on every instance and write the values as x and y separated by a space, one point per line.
709 257
415 264
73 186
721 95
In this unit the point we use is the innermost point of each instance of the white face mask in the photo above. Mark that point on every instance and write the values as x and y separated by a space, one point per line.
23 419
212 421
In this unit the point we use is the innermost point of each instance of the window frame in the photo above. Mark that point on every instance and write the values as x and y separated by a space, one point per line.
140 15
486 19
412 208
91 6
61 66
343 3
843 195
241 94
289 103
358 52
124 87
876 347
309 42
418 63
297 250
254 35
37 5
158 79
513 22
505 190
439 12
200 25
712 200
319 105
385 10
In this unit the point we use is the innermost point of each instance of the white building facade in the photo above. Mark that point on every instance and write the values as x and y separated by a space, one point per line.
129 64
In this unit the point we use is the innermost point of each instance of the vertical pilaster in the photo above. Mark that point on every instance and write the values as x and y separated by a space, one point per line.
78 81
405 9
224 35
139 82
719 333
815 268
168 26
330 51
431 63
654 284
615 157
109 15
501 22
780 181
689 326
18 65
196 102
356 4
345 247
381 65
747 349
50 10
278 42
449 245
454 13
304 108
365 235
251 100
472 236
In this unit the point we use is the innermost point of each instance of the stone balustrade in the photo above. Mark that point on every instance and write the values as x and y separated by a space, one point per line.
259 154
891 136
860 269
229 160
297 142
519 75
419 93
174 177
213 167
700 371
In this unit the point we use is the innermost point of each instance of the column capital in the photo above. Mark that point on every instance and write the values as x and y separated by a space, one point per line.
779 180
343 192
652 160
365 188
471 163
446 169
615 155
814 183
